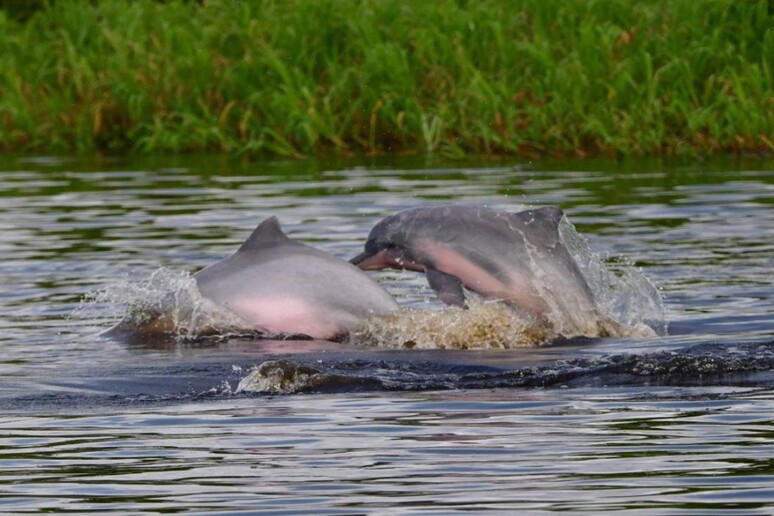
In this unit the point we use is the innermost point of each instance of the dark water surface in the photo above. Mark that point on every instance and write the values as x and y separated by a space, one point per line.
683 422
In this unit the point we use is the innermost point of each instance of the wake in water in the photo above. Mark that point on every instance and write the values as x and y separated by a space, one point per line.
742 364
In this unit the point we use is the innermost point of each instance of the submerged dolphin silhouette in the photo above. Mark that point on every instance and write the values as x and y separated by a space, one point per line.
279 285
518 258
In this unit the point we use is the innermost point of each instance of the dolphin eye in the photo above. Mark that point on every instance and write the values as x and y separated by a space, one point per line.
385 244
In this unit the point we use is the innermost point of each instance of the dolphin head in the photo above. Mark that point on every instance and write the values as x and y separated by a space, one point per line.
389 247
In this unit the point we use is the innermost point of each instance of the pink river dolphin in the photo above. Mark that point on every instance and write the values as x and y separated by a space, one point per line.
279 285
518 258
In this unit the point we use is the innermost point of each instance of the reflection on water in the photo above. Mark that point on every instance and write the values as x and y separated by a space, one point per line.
90 423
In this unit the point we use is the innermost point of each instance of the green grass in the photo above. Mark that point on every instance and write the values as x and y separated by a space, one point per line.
297 77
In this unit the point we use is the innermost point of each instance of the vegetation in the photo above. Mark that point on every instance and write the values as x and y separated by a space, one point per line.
298 77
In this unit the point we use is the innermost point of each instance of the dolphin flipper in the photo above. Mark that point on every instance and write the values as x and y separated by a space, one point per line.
447 287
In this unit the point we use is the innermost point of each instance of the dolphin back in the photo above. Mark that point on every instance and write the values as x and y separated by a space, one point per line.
285 286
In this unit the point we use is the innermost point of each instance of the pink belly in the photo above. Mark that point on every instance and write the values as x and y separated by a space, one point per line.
286 315
519 288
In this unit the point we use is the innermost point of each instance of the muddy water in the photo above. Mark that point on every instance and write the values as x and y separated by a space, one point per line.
681 422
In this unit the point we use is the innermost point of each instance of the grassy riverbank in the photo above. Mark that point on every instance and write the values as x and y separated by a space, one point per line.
296 77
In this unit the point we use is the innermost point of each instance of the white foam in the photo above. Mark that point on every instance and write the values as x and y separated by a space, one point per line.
485 325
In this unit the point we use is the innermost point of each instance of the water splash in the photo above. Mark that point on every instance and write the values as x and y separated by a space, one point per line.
167 303
281 377
624 296
485 325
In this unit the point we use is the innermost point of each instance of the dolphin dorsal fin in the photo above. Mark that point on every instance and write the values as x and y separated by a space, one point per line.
267 233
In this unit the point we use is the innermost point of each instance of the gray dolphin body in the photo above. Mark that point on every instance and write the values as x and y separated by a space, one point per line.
518 258
279 285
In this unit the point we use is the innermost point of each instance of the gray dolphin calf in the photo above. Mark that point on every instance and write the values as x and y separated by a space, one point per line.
519 258
279 285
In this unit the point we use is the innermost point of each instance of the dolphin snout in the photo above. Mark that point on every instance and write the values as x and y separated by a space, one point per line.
369 261
357 260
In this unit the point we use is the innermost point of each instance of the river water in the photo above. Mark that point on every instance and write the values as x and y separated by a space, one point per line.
681 422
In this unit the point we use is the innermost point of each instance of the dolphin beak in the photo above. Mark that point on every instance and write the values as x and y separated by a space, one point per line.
357 260
370 261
